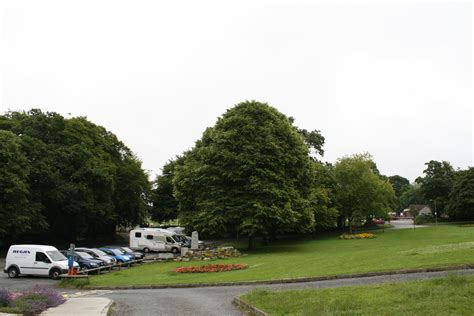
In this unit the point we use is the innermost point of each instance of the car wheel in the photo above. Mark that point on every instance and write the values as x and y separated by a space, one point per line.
13 272
146 250
174 250
55 273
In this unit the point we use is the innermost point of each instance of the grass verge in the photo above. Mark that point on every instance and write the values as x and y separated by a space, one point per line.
452 295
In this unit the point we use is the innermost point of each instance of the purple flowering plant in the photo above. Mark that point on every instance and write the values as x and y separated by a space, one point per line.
31 301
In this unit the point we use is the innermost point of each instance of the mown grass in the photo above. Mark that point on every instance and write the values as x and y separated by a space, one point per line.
452 295
320 256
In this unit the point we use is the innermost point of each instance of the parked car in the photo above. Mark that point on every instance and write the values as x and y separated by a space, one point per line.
378 221
99 255
85 260
119 255
36 260
135 254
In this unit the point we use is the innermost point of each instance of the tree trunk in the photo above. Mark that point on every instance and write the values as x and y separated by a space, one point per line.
340 221
251 242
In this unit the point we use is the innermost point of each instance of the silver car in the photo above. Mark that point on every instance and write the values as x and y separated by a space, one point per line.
98 254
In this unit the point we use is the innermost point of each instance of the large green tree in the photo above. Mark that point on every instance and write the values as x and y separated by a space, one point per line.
461 200
81 178
400 185
164 204
17 215
361 192
436 184
249 174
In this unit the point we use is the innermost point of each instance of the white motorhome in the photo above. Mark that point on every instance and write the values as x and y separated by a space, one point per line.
35 260
154 239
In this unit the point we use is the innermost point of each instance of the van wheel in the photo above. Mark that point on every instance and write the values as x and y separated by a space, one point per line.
146 250
13 272
174 250
55 273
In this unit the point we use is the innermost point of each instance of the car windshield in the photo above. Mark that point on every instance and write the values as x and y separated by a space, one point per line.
116 252
127 249
85 255
179 237
99 252
56 255
176 238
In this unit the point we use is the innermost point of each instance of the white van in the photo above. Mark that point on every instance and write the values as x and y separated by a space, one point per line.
35 260
154 239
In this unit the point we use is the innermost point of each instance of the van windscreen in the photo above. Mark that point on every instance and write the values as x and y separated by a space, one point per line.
56 255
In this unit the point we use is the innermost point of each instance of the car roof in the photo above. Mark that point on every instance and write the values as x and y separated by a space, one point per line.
40 247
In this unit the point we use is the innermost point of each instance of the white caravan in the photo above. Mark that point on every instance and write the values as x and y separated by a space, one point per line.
35 260
154 239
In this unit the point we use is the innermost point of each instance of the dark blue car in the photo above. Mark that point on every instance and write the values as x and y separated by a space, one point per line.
84 260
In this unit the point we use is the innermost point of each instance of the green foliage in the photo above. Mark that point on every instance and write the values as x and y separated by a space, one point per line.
79 179
412 195
164 204
361 193
323 197
400 186
249 174
437 183
461 199
16 213
423 219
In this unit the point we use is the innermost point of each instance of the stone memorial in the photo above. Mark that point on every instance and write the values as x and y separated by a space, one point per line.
194 240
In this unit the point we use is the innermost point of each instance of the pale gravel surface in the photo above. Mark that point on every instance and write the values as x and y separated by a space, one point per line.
404 224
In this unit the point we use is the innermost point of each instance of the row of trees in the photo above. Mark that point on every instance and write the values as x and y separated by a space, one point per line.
448 191
66 178
256 173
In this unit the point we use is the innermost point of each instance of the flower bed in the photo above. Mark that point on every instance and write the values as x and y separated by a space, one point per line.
211 268
357 236
29 302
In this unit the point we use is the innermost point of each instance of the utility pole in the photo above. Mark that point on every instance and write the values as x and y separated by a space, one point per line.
436 213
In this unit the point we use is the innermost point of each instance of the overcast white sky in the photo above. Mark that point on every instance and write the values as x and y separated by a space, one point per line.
393 79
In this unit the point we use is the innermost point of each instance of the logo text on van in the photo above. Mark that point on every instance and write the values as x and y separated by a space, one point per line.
22 251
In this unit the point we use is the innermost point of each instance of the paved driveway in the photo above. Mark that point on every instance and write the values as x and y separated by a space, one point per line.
218 300
404 224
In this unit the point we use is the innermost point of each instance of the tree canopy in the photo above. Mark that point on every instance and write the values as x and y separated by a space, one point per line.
400 185
249 174
361 192
77 179
164 204
436 184
461 199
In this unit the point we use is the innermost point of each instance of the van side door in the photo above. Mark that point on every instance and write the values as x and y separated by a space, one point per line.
135 240
42 264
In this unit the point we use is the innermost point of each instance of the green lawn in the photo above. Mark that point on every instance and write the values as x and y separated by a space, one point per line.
452 295
395 249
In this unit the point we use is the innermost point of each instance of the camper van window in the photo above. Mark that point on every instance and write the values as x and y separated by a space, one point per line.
41 257
149 237
138 235
169 239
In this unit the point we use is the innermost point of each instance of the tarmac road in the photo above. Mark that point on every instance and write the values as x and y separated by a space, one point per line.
218 300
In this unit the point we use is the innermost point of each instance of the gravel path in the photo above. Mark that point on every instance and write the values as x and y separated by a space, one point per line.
218 300
404 224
